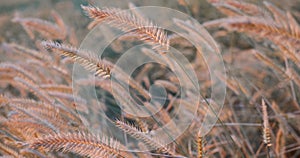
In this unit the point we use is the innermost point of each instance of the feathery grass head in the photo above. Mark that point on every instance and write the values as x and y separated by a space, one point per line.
92 64
127 22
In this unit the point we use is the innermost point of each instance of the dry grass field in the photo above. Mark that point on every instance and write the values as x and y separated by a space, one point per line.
43 113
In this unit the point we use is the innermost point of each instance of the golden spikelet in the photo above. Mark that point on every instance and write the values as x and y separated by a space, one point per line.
98 67
34 88
199 146
57 88
80 143
144 137
231 7
47 29
145 29
266 125
255 26
28 52
19 71
8 150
